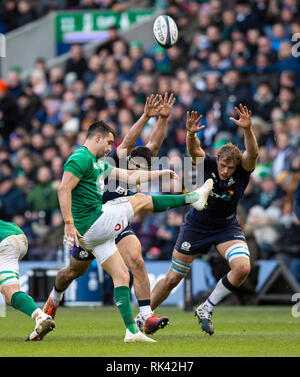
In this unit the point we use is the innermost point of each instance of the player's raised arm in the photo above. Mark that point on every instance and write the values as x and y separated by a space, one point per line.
250 155
160 129
134 177
192 141
67 185
151 109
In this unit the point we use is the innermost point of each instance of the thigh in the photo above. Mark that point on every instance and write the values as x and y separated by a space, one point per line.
128 231
191 242
79 267
12 249
115 266
114 219
180 266
236 253
104 251
130 249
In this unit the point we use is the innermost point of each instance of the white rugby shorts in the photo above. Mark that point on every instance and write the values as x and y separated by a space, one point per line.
99 239
12 250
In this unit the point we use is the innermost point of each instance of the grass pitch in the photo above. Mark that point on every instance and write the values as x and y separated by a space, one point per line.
262 331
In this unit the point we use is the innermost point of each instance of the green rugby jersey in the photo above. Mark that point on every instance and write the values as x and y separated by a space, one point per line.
8 229
87 195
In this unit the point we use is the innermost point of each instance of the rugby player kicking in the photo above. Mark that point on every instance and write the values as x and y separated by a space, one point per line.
95 226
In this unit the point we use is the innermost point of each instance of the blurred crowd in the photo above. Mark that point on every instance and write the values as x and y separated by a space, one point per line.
228 53
16 13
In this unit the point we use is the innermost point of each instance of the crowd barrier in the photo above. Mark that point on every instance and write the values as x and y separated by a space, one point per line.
275 283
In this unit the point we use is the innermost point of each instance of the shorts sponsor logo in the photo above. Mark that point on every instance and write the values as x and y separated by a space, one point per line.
119 226
83 254
239 236
185 246
121 190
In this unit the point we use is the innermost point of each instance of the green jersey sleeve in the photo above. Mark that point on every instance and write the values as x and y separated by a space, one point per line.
78 164
107 169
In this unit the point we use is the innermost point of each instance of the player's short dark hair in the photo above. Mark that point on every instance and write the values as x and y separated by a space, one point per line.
100 127
142 152
230 152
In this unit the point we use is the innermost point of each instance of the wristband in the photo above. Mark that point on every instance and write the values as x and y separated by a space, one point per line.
68 220
191 134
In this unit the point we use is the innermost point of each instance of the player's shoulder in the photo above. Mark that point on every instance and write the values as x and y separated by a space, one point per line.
80 154
80 158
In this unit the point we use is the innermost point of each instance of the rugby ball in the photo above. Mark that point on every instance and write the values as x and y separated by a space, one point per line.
165 31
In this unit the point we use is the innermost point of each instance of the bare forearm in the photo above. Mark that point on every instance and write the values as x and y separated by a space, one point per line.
194 146
250 143
65 203
158 135
134 133
136 177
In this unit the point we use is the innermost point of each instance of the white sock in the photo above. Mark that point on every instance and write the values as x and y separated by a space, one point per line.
217 295
38 314
145 312
56 296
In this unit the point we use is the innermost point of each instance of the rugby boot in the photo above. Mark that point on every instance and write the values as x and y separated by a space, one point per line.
203 193
205 319
44 325
154 323
137 337
50 308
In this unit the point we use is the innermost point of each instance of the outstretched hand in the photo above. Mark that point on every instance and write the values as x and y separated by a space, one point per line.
152 105
166 105
244 114
192 122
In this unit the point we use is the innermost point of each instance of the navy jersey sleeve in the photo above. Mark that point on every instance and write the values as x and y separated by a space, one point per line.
112 158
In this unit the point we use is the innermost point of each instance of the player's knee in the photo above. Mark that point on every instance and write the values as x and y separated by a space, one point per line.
242 270
137 265
172 280
121 278
73 273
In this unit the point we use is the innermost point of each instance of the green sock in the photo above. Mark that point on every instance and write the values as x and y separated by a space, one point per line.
24 303
122 300
164 202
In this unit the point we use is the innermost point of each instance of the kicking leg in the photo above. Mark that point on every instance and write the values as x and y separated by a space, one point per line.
159 203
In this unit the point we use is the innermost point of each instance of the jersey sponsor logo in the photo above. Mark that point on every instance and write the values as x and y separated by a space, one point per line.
100 184
230 182
227 195
185 246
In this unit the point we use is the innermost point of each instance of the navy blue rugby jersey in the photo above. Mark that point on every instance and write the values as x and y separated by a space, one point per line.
116 189
223 200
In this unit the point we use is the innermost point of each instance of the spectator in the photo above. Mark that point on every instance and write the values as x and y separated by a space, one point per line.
26 13
77 62
9 114
43 197
264 100
9 15
12 200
